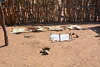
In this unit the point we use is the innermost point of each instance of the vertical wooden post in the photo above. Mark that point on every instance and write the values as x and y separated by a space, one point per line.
87 11
60 10
2 18
96 10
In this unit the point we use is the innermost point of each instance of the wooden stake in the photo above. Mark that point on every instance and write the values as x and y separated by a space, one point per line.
2 18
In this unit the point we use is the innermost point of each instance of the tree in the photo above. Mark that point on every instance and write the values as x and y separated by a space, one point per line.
2 22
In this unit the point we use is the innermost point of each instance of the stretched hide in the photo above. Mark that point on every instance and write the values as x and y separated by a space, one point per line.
75 27
18 30
55 28
36 29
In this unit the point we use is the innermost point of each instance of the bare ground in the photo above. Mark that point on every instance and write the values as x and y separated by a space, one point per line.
24 52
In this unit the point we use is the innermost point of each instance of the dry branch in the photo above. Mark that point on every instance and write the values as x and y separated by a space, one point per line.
2 18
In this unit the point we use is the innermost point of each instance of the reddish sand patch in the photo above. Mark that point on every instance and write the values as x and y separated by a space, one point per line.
24 52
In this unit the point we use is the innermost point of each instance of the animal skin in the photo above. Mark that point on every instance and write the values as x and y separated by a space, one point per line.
55 28
36 29
18 30
74 27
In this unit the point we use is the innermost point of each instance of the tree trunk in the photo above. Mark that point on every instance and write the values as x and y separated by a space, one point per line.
2 18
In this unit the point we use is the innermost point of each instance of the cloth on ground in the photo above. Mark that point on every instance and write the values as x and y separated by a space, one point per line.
60 37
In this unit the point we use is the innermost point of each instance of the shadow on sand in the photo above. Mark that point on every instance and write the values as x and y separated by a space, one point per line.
97 30
53 23
3 46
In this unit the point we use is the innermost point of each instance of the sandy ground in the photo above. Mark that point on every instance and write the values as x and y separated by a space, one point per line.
24 52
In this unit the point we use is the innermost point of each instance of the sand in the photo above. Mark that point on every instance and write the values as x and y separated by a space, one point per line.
24 52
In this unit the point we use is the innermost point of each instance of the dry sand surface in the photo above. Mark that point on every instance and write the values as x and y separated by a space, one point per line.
24 52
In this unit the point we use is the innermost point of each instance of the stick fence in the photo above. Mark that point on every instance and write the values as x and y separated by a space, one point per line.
51 11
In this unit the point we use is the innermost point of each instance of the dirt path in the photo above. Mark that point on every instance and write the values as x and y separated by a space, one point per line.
24 52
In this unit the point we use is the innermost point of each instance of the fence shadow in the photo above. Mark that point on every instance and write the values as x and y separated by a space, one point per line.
97 30
53 24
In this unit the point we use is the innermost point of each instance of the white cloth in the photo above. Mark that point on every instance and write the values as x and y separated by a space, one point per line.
64 37
55 37
60 37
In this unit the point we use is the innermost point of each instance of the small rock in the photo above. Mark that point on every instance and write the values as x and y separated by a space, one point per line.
28 36
73 33
45 51
77 36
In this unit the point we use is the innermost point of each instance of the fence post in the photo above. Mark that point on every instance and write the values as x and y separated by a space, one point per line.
60 10
2 18
13 12
96 10
87 11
